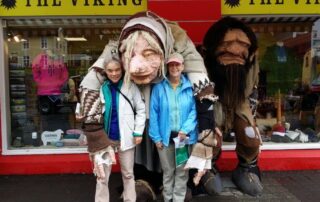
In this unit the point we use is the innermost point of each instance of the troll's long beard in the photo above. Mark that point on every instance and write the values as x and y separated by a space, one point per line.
230 83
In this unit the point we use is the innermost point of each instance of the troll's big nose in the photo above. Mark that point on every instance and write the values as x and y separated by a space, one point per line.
137 65
237 49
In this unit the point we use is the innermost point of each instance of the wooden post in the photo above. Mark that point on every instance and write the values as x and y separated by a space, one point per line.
279 119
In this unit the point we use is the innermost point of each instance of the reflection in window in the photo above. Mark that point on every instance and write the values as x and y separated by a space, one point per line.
25 45
26 61
44 42
286 62
45 70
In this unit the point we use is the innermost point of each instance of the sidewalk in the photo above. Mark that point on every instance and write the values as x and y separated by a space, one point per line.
288 186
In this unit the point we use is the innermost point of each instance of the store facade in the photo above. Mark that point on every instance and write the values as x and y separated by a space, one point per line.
51 44
48 47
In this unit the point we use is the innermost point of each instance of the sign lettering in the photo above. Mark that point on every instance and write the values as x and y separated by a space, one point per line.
72 7
267 7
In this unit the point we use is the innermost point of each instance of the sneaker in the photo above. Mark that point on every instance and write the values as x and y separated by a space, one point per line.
311 135
302 136
293 135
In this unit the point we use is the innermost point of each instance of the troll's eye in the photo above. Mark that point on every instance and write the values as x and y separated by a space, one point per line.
148 54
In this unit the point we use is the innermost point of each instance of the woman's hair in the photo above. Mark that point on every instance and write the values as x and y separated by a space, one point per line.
113 60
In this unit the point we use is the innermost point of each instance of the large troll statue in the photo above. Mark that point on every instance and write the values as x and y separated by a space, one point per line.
230 57
144 45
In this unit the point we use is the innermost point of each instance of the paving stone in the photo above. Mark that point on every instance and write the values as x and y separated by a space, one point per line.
290 186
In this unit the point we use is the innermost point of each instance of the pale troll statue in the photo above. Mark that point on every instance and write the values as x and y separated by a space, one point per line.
144 45
230 55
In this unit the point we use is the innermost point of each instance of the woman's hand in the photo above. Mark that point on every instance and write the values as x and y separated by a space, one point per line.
182 136
159 145
137 140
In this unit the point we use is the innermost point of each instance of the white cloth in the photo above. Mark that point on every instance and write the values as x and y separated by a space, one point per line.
198 163
126 159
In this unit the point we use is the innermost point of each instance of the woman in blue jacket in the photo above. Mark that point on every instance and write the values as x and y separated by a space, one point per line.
172 114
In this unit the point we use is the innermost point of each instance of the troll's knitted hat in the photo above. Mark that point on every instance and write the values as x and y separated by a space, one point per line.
152 23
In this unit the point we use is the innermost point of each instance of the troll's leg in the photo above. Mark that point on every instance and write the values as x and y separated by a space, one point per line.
247 174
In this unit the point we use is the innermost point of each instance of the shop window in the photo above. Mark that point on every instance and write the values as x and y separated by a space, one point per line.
45 68
287 94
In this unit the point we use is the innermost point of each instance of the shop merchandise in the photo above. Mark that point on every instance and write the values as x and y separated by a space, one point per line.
49 73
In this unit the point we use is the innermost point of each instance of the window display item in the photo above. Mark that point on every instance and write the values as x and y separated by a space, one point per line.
312 137
59 144
18 142
35 140
70 142
51 136
279 134
302 136
293 135
317 117
315 85
49 73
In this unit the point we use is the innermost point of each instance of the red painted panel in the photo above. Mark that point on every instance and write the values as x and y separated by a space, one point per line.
0 133
195 16
196 30
79 163
277 160
47 164
186 10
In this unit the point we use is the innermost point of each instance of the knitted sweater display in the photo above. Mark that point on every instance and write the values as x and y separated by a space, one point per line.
49 74
281 72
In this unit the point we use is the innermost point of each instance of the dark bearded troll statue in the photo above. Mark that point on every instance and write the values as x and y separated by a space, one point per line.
144 45
231 60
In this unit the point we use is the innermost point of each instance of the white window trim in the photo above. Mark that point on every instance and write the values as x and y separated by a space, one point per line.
229 147
32 151
277 146
4 94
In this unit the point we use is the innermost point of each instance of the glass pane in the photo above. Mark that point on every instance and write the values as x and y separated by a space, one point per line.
287 91
47 61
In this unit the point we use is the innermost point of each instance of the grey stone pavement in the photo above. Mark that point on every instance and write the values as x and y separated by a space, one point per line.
281 186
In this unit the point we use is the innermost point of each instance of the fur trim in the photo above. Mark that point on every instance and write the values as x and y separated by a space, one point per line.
144 184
